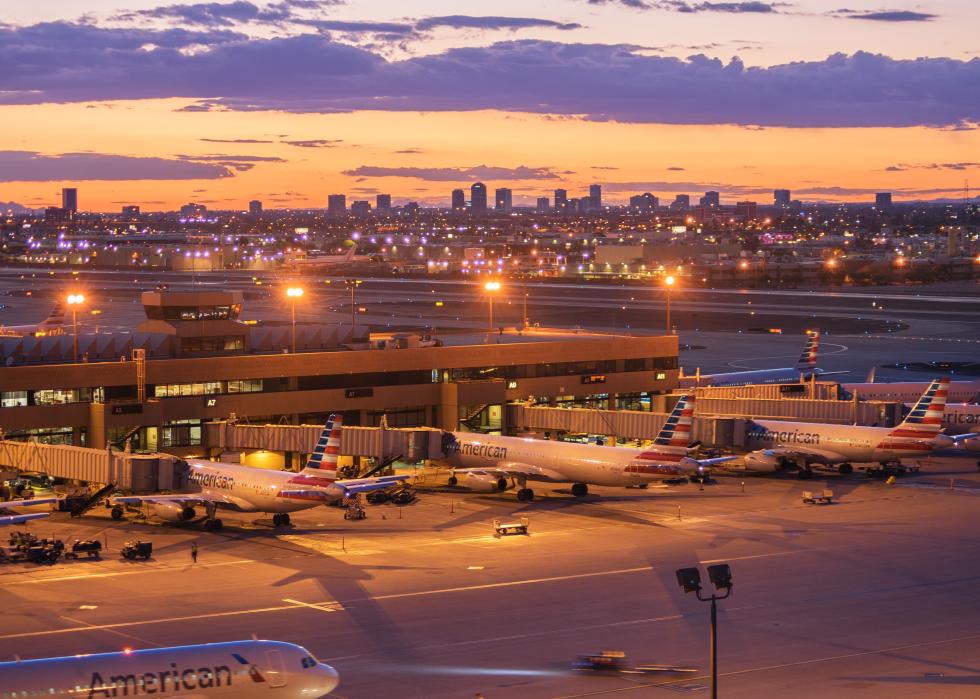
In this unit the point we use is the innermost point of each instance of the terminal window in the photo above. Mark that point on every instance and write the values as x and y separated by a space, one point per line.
181 433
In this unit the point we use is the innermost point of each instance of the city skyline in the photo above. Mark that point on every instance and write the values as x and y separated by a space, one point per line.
216 103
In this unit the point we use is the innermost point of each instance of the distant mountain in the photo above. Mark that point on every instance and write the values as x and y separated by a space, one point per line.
6 206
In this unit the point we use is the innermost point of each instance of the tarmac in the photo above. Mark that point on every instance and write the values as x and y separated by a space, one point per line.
873 595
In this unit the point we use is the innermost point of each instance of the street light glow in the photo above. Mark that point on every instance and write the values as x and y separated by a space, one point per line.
492 286
669 281
294 292
75 299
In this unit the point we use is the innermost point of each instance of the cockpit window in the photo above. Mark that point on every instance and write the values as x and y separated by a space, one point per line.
309 662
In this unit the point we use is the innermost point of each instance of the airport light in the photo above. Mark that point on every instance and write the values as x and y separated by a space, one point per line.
720 576
352 284
491 288
74 301
294 293
668 285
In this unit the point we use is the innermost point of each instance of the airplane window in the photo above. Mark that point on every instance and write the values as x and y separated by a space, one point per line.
309 662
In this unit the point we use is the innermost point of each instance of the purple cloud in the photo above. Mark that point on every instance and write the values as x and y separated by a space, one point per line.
733 7
64 62
456 174
30 166
218 14
902 167
240 163
234 140
512 23
887 15
314 143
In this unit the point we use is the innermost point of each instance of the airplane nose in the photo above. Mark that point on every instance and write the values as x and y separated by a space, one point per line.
326 680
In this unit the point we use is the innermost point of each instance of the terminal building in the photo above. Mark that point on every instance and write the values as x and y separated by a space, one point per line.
193 362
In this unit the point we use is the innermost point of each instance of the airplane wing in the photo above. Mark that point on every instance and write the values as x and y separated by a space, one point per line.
222 502
962 437
20 519
809 454
516 468
350 486
713 461
27 503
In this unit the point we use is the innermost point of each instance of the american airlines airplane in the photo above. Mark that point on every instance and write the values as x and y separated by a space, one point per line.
238 488
486 462
781 444
805 368
20 519
236 670
909 391
54 324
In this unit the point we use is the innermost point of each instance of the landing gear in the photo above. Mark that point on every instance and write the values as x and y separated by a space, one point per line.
580 490
525 494
845 469
453 480
213 525
805 474
116 513
280 519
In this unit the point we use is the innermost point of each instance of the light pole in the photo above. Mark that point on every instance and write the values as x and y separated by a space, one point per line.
525 308
668 285
491 288
294 293
75 300
353 284
720 575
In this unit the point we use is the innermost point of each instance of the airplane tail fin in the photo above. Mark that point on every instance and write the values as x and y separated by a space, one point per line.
56 317
349 255
324 456
926 418
808 359
871 375
675 435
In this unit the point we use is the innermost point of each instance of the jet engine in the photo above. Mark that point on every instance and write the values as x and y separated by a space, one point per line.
764 461
484 482
173 512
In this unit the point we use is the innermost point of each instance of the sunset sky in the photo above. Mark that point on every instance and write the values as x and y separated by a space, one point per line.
157 104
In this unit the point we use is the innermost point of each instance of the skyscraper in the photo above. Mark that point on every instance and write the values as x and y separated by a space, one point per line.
746 210
644 203
255 207
478 198
503 200
781 198
382 202
69 200
682 202
459 200
360 209
561 199
711 200
595 197
131 211
543 205
883 200
336 205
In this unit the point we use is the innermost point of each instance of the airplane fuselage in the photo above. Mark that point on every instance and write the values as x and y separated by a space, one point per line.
752 376
842 442
909 391
252 489
562 462
239 670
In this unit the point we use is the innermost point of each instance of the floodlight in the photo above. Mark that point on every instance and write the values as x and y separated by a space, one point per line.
720 575
689 579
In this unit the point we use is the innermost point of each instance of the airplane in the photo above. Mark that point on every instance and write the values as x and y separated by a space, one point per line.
327 262
54 324
909 391
779 443
240 669
487 461
805 368
224 486
20 519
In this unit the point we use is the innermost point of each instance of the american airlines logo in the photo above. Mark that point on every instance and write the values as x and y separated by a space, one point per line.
213 480
486 451
172 680
763 434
